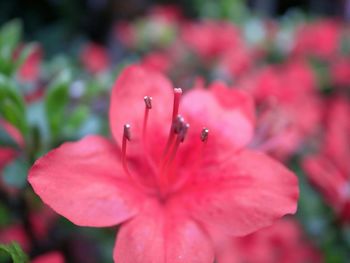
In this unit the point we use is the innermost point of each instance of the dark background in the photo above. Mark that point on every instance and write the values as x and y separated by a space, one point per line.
63 19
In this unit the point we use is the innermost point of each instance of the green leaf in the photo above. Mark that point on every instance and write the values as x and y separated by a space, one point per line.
12 107
15 251
10 33
56 100
15 174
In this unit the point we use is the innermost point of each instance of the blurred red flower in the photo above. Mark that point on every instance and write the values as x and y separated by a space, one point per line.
340 72
30 69
51 257
289 109
15 233
329 169
210 39
7 154
174 188
283 242
157 60
320 39
94 58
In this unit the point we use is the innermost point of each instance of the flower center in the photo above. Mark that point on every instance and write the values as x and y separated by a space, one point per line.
165 170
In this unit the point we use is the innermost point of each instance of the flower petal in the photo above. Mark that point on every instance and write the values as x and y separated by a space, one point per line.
127 103
203 108
84 181
162 236
51 257
247 192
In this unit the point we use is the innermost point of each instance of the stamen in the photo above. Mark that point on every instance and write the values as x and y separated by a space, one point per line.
180 138
178 124
148 104
127 132
176 127
204 134
197 163
167 163
183 132
126 137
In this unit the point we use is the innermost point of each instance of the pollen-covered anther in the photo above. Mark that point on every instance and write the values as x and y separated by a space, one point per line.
127 132
183 132
204 134
148 102
179 122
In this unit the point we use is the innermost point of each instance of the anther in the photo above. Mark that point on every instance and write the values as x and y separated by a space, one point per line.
204 134
127 132
148 102
183 132
178 124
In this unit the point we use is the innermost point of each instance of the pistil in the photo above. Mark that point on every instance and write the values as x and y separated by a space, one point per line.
176 104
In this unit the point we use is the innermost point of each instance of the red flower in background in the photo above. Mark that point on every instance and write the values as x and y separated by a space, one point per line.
210 39
95 58
30 69
158 61
320 39
236 62
289 107
15 233
283 242
340 72
174 188
329 170
7 154
51 257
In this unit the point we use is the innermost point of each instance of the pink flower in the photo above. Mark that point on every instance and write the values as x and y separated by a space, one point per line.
320 39
283 242
329 169
159 61
51 257
174 188
15 233
8 154
340 72
289 107
210 39
94 58
29 71
236 62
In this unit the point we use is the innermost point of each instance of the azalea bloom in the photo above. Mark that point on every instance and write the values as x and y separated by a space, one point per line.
30 69
236 62
8 154
289 109
283 242
320 39
174 186
329 170
340 72
15 233
94 57
52 257
159 61
210 39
